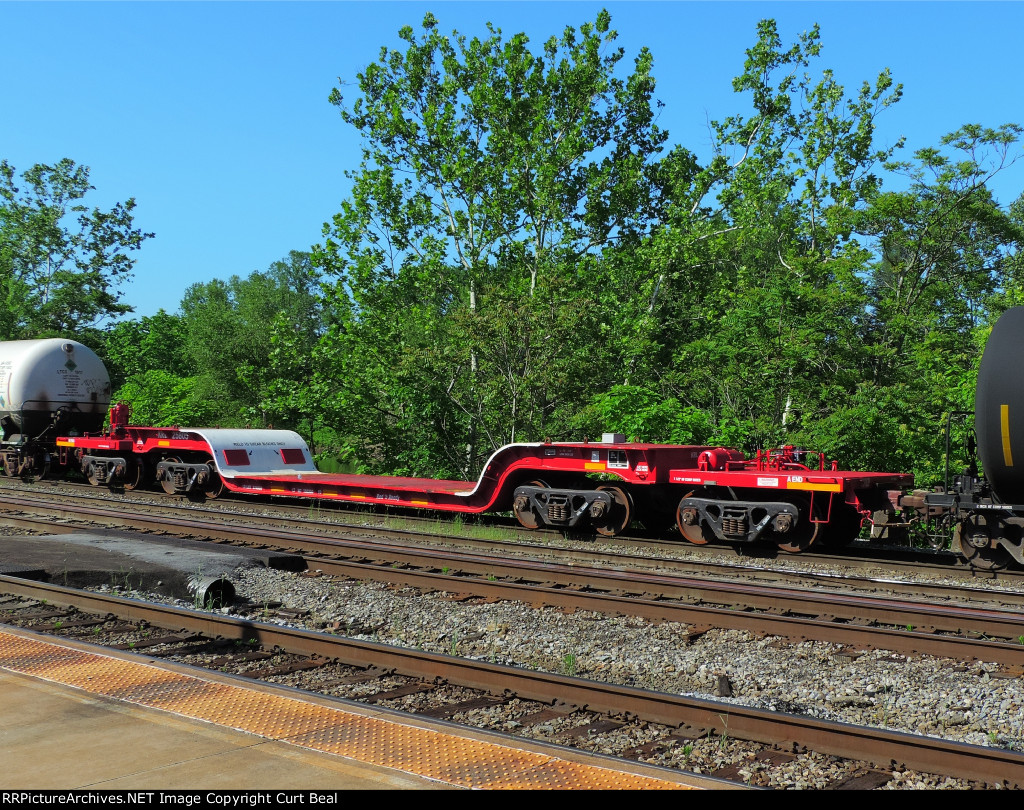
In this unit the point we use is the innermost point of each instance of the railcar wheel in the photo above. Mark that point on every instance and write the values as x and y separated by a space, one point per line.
843 528
214 484
688 521
42 466
92 475
524 513
621 515
802 536
133 475
166 480
987 559
978 546
10 468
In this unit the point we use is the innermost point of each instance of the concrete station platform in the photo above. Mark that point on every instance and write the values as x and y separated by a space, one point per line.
73 716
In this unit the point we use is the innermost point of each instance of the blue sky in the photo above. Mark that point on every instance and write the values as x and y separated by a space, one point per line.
214 116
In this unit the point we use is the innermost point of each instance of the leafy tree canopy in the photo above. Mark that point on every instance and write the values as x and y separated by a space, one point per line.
61 263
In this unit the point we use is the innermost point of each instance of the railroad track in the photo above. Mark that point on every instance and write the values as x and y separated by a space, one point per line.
701 561
583 712
506 536
858 621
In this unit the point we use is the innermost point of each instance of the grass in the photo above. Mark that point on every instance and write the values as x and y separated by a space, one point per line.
456 527
121 581
197 602
723 737
569 664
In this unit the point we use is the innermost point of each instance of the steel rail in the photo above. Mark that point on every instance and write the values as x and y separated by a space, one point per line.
730 569
908 628
698 717
898 559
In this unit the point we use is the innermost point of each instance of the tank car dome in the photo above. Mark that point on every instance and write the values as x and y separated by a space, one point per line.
999 407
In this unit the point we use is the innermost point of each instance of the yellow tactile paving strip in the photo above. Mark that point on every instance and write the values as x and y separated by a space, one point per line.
374 740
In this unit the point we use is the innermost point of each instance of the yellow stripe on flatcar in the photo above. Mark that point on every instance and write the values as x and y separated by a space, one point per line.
68 443
357 495
814 487
420 503
1004 423
163 443
592 465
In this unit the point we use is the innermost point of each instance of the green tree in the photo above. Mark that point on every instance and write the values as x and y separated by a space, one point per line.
492 179
152 342
151 369
943 263
60 261
230 328
943 249
755 276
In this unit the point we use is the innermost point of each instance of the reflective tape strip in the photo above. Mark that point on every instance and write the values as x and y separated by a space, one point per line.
1004 423
814 487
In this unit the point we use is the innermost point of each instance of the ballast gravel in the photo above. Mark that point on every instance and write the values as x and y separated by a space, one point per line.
917 695
972 703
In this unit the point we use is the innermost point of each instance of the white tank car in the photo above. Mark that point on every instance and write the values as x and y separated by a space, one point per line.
55 383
